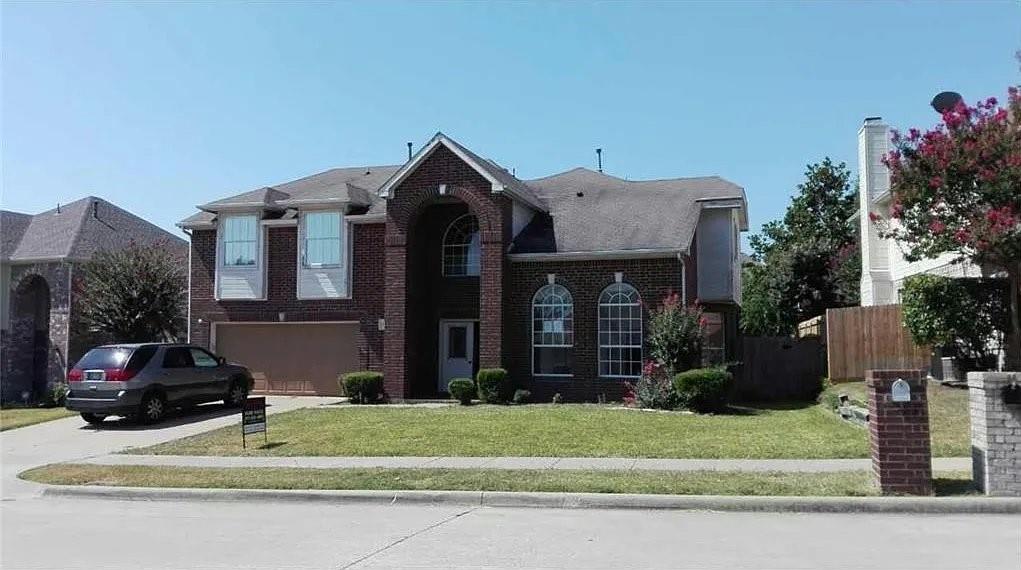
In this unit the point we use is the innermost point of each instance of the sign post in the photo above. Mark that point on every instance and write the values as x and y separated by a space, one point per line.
253 419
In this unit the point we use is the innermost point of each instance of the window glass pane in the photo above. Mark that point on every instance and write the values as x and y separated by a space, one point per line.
553 331
714 345
620 331
462 247
203 359
177 357
322 238
457 342
550 360
239 240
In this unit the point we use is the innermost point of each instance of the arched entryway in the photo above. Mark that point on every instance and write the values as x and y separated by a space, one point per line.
443 316
30 327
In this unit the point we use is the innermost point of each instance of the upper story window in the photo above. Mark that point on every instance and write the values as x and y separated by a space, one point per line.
553 331
322 239
240 240
462 247
620 332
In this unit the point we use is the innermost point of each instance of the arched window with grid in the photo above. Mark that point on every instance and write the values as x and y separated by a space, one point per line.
553 331
462 247
620 332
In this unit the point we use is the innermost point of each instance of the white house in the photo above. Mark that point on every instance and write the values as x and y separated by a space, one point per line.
883 267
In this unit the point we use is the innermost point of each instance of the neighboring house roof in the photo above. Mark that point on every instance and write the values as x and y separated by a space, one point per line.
590 211
76 231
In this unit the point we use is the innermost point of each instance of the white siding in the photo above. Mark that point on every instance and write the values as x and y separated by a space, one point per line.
717 258
520 217
241 282
324 282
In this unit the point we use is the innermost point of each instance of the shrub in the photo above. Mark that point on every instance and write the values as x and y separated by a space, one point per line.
363 387
56 395
522 396
704 389
675 335
493 385
462 390
653 389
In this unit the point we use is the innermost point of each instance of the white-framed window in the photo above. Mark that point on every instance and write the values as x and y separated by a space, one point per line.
552 331
620 332
462 247
322 239
240 240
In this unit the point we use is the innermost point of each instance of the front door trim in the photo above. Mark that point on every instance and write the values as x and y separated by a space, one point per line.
441 349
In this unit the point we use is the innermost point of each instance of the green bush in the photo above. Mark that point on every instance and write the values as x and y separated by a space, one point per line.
56 395
704 389
522 396
363 387
493 385
462 390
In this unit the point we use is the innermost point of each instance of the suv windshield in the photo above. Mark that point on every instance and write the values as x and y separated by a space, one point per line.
105 358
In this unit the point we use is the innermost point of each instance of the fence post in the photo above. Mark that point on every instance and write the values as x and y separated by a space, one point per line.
899 431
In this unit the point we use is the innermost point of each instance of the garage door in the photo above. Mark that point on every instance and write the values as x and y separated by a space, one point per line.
291 358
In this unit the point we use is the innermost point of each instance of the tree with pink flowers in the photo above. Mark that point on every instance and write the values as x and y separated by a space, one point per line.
957 188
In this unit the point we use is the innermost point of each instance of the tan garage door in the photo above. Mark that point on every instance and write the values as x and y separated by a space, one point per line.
291 358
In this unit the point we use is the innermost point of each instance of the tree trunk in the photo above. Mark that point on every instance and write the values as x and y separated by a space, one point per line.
1013 348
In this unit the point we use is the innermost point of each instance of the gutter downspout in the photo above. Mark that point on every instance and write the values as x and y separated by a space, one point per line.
187 232
684 279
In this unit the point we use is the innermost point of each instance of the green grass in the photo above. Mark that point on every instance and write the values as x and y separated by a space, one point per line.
949 419
11 418
795 431
853 483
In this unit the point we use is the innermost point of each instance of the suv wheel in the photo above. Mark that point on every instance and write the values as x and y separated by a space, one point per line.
94 419
153 408
236 394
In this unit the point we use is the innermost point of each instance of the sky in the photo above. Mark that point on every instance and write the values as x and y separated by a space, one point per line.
160 107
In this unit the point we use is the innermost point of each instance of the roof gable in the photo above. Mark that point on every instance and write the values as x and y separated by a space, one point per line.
498 177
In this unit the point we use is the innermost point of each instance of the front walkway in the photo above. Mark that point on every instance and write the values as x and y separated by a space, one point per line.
560 463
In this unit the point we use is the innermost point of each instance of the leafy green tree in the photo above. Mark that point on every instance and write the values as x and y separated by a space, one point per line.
675 336
137 294
809 259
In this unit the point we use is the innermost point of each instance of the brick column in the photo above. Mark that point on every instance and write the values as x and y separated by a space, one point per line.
995 433
395 370
899 433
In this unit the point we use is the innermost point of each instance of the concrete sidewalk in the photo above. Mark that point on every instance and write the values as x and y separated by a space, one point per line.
560 463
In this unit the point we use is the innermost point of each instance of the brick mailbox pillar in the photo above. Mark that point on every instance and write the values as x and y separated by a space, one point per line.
995 432
899 432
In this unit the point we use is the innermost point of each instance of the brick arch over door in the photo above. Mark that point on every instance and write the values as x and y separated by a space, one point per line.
402 213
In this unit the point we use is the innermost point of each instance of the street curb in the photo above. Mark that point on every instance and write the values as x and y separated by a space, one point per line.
944 505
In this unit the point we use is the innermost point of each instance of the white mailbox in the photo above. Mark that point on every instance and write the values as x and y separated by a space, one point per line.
900 391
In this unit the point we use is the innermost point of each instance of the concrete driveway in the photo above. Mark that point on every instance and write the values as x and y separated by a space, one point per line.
71 439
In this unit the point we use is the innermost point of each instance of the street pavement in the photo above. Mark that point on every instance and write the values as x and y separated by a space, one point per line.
113 534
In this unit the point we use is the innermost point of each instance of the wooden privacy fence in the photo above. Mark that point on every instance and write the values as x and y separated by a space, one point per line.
859 338
777 368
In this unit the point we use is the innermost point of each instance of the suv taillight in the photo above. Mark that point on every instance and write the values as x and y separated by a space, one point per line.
74 375
118 375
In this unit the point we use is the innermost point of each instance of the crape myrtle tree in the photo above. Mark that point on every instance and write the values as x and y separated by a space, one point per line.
136 294
956 188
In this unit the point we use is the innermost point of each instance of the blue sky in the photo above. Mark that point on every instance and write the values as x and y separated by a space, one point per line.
159 107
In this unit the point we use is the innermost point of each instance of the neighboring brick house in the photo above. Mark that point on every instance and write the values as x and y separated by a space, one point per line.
430 270
40 257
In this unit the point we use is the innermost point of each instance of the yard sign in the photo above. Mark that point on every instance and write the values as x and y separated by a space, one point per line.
253 419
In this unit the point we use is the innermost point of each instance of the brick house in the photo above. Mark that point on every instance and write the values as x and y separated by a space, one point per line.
429 270
40 259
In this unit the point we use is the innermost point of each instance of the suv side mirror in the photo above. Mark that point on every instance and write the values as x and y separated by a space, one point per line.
221 360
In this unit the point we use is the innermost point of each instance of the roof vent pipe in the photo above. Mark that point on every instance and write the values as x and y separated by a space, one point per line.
599 158
409 151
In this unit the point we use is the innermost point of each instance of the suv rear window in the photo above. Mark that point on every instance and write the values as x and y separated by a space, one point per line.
107 358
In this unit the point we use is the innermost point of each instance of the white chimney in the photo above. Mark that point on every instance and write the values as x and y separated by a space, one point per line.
873 189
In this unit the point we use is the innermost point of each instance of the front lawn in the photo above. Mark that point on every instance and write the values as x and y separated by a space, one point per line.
11 418
793 431
852 483
949 418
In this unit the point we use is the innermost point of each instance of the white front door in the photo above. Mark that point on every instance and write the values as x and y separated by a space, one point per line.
457 350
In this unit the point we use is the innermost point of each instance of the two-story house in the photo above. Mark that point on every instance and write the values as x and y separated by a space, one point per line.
429 270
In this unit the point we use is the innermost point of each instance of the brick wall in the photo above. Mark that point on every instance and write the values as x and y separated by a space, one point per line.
899 433
365 305
654 278
995 433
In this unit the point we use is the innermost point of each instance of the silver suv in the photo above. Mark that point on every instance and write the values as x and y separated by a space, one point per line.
143 381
